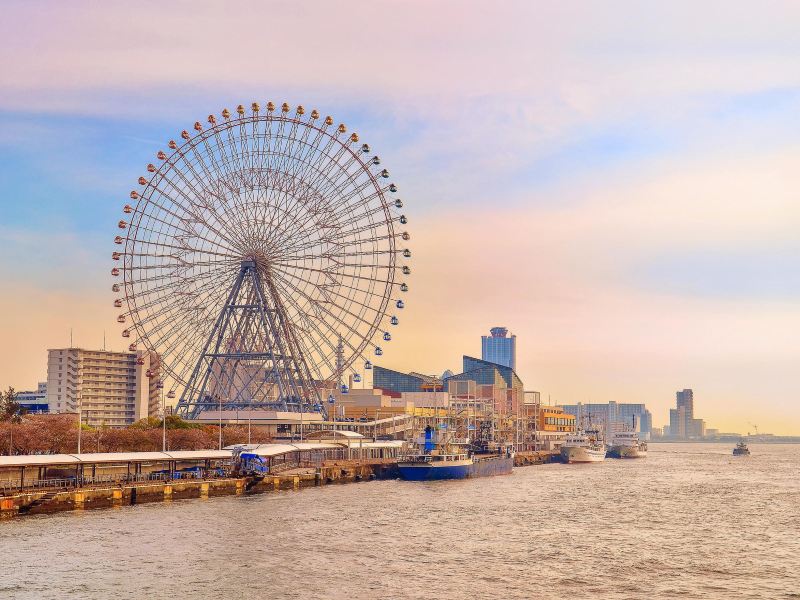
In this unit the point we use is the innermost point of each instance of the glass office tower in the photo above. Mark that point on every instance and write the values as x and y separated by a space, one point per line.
498 348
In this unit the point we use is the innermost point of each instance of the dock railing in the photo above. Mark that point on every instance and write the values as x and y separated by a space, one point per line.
8 488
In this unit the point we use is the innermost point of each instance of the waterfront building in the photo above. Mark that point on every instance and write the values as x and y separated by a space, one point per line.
677 422
682 422
498 348
613 417
553 424
111 389
495 384
34 402
399 382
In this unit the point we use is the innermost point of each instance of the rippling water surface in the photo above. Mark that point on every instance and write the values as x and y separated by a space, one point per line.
689 521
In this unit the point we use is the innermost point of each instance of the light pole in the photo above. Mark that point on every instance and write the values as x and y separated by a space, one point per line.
80 426
160 386
219 411
332 413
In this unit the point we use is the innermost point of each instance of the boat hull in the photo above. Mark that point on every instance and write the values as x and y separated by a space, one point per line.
581 454
480 467
626 452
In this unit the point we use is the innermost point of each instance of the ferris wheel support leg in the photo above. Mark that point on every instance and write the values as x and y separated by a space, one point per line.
189 399
259 342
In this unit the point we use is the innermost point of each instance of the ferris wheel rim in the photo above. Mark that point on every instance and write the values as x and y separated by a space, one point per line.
228 260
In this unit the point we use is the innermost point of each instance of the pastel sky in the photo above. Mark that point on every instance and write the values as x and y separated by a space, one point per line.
617 182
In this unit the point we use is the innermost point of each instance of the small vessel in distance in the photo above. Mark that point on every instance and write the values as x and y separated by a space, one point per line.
626 444
581 448
438 461
741 449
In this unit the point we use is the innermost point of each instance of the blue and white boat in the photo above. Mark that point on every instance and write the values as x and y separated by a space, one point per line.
435 462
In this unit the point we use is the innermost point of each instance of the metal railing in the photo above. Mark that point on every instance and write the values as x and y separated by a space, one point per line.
66 483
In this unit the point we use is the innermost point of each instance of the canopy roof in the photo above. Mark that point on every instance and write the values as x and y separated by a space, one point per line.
332 434
39 460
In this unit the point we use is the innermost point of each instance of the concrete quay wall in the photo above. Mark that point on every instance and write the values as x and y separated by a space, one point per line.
114 496
50 501
526 459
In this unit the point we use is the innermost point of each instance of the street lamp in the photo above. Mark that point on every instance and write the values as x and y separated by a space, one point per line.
332 412
219 411
80 426
160 386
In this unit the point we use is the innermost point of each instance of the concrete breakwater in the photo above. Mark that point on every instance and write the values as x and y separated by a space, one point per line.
126 494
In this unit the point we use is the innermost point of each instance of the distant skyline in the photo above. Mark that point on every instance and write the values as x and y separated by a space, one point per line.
616 183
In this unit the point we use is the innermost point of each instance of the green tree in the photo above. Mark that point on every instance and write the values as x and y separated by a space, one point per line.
10 409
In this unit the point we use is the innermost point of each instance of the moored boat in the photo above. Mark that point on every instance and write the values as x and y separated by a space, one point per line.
580 448
626 444
437 461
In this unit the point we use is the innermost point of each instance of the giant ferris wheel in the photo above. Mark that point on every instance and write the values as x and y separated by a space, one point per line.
263 258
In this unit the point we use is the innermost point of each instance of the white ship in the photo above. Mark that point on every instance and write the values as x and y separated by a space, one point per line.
580 448
626 444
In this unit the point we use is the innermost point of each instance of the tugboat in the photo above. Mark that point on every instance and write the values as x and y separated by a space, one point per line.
580 448
741 449
438 461
626 444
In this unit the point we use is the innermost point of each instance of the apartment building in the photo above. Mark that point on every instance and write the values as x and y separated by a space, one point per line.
111 389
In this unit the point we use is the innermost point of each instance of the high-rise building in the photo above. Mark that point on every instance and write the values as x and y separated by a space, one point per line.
685 398
613 416
677 422
498 348
682 422
110 389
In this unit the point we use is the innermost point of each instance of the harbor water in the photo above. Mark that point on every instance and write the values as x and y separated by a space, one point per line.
689 521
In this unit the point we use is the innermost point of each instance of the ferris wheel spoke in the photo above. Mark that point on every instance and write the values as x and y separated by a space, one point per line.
309 322
333 292
194 191
350 208
183 330
339 273
310 223
191 214
182 251
350 298
168 276
221 184
330 314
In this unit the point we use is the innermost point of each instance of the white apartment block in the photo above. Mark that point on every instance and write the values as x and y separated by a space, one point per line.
109 389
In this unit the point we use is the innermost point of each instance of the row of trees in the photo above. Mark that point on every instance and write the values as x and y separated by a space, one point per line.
21 433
